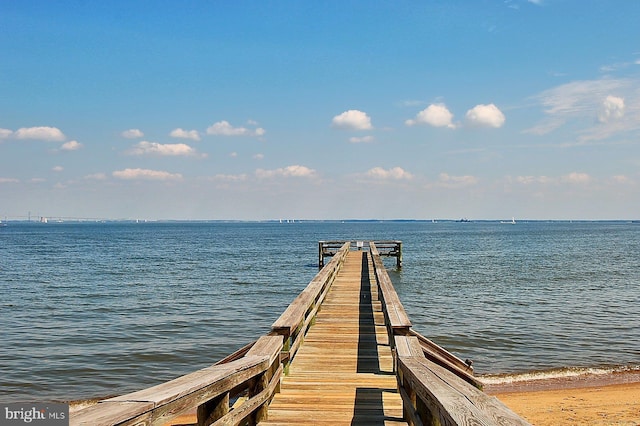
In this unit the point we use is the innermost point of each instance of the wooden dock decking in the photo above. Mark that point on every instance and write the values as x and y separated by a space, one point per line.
343 373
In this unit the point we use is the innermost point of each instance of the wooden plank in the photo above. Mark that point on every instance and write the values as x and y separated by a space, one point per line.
398 319
217 377
452 400
112 413
269 346
343 374
250 405
491 406
443 403
407 346
411 414
447 360
160 403
237 354
439 350
293 316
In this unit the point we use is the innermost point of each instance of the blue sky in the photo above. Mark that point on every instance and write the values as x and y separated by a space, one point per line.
259 110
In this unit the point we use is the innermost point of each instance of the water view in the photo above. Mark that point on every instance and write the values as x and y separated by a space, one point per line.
91 310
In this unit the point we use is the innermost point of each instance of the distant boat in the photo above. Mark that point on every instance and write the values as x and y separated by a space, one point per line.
512 222
2 224
464 219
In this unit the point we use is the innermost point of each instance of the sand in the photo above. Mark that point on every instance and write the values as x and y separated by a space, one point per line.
606 400
573 403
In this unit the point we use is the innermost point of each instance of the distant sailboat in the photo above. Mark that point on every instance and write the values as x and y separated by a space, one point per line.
512 222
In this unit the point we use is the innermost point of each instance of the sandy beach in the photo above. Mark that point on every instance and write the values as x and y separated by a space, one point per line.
578 401
592 401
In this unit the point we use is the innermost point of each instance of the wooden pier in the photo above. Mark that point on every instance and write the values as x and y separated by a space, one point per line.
343 353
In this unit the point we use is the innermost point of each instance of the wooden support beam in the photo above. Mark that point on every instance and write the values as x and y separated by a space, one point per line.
212 410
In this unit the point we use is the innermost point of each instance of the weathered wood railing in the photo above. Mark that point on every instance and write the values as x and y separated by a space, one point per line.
396 317
433 395
299 315
437 388
328 249
230 393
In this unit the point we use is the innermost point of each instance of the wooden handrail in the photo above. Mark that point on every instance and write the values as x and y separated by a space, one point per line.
446 359
396 317
211 389
436 386
432 394
299 315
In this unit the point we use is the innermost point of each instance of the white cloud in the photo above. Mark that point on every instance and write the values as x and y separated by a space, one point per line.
621 179
597 106
154 148
5 133
576 177
96 176
258 157
145 174
42 133
411 103
529 180
449 181
436 115
578 97
394 173
289 171
575 100
57 169
485 116
224 128
352 120
9 180
610 68
71 146
229 178
363 139
132 134
185 134
612 109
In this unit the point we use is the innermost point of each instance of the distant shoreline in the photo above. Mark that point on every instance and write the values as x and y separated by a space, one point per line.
49 220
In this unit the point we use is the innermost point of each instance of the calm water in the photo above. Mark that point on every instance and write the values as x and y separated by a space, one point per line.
90 310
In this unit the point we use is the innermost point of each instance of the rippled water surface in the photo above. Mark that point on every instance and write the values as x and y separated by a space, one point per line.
90 310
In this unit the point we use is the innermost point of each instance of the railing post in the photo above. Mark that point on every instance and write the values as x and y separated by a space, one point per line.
256 386
399 254
320 254
213 410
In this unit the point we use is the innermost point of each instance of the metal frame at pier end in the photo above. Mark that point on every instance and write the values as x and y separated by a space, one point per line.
385 248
